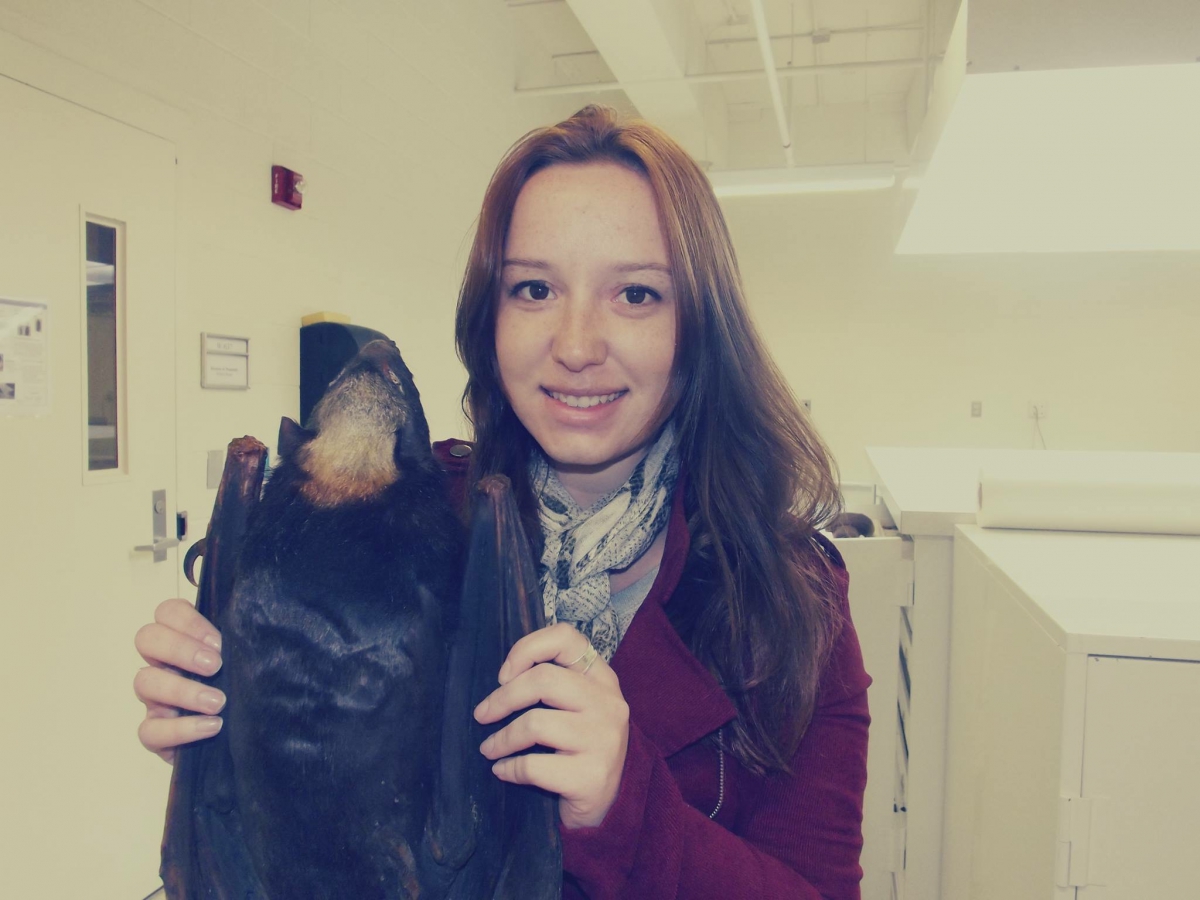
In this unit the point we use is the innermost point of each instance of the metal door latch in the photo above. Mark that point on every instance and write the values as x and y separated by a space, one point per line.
162 543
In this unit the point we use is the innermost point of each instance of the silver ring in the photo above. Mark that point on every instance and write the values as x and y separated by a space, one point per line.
587 658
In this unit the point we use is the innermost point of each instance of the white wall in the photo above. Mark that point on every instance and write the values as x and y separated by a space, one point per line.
892 350
395 113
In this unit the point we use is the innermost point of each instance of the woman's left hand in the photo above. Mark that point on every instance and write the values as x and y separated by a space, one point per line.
587 724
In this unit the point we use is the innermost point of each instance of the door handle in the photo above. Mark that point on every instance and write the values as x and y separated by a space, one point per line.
159 548
162 543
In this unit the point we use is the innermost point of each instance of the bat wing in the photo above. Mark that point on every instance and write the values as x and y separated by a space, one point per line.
203 854
491 839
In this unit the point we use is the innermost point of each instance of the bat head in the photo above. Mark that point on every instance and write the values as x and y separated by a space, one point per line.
365 433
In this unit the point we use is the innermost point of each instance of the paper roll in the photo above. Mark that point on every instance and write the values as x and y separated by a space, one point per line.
1148 493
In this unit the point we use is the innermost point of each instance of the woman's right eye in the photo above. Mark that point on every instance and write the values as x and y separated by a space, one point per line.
531 290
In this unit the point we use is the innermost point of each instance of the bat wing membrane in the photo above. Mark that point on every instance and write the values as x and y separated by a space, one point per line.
203 854
496 840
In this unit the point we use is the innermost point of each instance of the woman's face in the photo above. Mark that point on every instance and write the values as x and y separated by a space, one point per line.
585 326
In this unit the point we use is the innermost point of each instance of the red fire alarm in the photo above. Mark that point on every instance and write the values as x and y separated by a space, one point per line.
287 187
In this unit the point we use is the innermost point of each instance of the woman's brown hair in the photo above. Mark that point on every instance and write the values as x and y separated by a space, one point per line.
758 480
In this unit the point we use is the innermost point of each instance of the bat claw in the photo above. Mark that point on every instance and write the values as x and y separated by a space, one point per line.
189 561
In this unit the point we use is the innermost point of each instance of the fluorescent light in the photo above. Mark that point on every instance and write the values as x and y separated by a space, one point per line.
1065 160
802 180
100 273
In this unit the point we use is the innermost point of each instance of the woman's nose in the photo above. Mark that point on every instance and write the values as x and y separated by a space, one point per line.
579 341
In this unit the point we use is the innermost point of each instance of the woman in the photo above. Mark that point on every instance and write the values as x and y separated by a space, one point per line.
713 744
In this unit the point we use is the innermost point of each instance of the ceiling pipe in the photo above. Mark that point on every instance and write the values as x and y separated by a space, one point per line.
588 87
803 180
832 32
768 58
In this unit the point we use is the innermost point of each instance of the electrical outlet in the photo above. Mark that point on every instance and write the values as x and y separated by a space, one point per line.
1037 410
976 409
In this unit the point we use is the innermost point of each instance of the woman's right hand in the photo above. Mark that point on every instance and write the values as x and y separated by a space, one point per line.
179 640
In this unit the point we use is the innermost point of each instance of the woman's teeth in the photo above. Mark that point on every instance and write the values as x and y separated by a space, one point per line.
584 402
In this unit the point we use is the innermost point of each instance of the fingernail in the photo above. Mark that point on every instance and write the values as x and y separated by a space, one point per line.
208 662
504 673
214 641
481 710
209 724
212 701
486 746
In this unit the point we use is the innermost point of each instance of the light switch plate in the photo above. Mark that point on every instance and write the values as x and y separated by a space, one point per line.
216 465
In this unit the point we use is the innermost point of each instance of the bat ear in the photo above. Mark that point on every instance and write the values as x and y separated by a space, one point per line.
292 437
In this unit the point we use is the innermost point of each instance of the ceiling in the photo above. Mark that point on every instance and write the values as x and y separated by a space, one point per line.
851 73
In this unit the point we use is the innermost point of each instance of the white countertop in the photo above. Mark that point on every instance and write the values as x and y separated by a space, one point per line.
1110 594
930 490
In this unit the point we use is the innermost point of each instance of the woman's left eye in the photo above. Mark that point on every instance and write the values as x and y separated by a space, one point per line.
637 294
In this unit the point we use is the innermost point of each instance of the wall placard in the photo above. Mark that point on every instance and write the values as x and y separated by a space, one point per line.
24 358
224 362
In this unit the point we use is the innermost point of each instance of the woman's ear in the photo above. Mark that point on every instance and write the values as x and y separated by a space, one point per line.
292 437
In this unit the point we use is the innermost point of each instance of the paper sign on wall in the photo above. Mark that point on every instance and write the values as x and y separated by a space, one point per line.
24 358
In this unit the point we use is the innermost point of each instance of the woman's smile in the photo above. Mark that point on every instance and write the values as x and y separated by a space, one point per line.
584 400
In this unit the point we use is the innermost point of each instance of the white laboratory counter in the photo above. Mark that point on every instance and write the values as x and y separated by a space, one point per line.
1115 594
1131 607
927 492
1073 735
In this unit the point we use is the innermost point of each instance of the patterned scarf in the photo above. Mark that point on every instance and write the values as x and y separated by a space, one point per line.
583 545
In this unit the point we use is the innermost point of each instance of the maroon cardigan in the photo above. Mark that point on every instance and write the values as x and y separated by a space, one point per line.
781 836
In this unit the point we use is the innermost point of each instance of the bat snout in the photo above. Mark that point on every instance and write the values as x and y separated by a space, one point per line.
382 353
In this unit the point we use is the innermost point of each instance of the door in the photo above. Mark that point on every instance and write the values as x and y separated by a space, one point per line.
82 803
1140 749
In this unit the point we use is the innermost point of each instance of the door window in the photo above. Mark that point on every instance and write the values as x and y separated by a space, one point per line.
105 327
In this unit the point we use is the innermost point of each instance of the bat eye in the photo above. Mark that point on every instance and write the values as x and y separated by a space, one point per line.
392 375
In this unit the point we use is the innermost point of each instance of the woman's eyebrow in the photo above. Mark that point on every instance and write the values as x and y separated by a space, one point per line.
526 263
623 268
642 267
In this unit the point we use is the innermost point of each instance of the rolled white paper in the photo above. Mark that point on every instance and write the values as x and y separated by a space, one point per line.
1066 490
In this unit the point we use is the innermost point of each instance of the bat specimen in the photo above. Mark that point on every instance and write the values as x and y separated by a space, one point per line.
851 525
361 626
